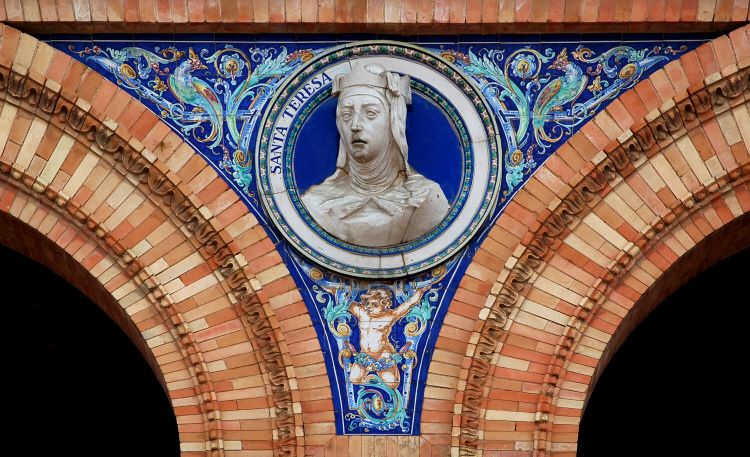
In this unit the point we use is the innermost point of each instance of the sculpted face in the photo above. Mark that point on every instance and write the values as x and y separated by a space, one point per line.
377 304
374 198
363 124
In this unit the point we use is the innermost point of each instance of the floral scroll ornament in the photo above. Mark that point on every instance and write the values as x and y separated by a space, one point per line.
214 99
541 97
377 328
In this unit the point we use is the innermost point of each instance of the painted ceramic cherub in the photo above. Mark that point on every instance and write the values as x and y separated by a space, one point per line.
376 318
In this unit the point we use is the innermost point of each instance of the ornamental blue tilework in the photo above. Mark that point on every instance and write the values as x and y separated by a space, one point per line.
377 393
377 336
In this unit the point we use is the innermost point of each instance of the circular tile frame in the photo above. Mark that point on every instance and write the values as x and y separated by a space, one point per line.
288 214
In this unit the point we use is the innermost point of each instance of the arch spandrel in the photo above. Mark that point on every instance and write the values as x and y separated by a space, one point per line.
497 257
462 325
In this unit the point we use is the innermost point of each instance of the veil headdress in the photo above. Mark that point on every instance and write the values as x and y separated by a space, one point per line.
394 92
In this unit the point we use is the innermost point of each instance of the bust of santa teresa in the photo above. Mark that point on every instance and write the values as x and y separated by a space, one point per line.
374 198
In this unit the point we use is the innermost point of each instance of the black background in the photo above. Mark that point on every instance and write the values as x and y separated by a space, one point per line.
676 386
73 383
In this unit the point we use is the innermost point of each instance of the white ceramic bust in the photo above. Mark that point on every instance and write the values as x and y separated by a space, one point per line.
374 198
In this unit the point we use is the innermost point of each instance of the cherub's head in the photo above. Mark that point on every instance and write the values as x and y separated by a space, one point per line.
371 120
376 301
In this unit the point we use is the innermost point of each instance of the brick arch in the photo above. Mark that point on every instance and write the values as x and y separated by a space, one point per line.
561 256
716 228
39 227
170 229
30 225
731 234
608 303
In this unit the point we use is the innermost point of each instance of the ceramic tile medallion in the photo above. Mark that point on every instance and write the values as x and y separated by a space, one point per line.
363 186
376 167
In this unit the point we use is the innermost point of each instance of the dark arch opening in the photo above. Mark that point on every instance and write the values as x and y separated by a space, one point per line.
73 381
675 386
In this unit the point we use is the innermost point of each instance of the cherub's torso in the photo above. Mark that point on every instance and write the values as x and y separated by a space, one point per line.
374 332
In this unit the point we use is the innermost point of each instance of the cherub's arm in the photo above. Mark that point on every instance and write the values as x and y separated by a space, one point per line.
404 307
